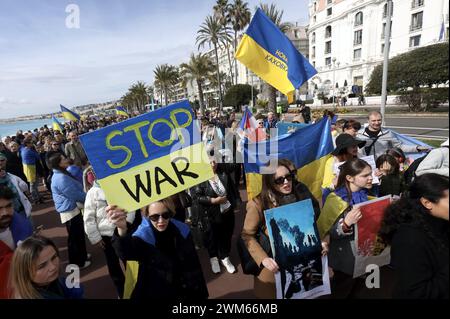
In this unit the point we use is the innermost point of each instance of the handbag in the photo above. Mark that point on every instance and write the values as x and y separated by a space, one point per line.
248 264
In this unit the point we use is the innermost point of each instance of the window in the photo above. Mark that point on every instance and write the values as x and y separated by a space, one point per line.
385 10
313 37
314 19
383 32
416 21
328 47
416 3
358 37
313 52
327 61
329 11
414 41
383 46
329 2
315 6
357 54
314 64
328 32
358 19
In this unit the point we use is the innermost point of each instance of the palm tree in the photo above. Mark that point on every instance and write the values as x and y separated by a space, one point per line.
276 16
240 16
222 13
166 76
140 94
215 34
199 68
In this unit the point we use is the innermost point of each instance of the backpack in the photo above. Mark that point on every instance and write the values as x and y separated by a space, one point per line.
410 173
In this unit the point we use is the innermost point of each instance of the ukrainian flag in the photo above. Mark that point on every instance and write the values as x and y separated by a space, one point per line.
121 111
308 148
69 115
334 206
269 53
56 125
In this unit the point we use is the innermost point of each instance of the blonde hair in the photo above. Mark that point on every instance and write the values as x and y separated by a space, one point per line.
167 202
23 267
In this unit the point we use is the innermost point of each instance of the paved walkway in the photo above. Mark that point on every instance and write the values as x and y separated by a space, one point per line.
96 280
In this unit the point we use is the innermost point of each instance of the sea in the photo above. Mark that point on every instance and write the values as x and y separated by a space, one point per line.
12 127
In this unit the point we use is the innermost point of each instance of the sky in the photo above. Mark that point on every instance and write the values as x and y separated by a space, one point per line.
43 63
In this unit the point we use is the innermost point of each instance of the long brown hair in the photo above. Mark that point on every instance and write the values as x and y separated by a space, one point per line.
23 267
352 168
269 196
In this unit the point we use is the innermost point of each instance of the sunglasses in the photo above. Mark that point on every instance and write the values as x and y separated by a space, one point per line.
155 217
280 180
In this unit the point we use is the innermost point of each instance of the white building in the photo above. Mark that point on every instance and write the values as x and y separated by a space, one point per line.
347 36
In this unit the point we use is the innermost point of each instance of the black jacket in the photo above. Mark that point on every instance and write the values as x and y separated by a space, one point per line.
14 165
169 267
421 265
204 192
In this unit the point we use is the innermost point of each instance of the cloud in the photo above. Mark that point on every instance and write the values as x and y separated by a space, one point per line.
5 100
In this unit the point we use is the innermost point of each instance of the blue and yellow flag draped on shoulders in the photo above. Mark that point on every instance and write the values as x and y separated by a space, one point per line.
308 148
56 125
68 114
269 53
121 111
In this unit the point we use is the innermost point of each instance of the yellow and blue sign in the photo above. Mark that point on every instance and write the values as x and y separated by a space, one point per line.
68 114
269 53
149 157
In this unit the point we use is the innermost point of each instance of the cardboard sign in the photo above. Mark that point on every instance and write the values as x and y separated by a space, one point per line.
149 157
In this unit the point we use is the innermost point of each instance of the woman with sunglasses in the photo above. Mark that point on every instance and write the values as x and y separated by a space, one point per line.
278 189
168 263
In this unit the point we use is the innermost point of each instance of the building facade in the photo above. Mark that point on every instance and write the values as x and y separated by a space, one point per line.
346 37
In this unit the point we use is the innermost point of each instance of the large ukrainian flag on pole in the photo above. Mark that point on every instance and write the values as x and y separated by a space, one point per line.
269 53
308 148
68 114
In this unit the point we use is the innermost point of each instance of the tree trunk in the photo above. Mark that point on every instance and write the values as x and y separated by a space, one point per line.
218 79
235 60
200 98
230 65
165 96
272 97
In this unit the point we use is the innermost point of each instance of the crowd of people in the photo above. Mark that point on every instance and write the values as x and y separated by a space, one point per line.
164 237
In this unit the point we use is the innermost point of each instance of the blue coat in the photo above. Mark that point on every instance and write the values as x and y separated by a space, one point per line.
66 192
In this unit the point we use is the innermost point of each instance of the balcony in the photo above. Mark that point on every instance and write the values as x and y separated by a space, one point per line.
414 28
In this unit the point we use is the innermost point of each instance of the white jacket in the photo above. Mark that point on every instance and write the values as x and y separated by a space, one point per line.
96 224
21 187
435 162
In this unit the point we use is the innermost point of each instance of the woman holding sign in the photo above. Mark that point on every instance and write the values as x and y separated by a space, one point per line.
168 263
354 179
278 189
416 227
